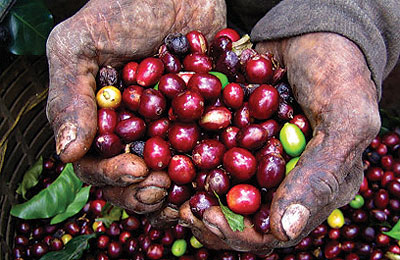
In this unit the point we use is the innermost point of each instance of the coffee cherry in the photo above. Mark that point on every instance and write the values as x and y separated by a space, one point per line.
152 104
149 71
259 70
233 95
114 249
103 241
129 73
158 127
252 137
131 97
243 199
336 219
197 42
155 251
181 169
263 102
240 163
131 129
217 181
270 171
178 194
201 201
108 97
188 106
197 62
208 154
215 118
156 153
261 219
228 32
177 43
208 85
171 85
108 145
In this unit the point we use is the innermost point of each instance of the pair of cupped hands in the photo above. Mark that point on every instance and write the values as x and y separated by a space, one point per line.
329 77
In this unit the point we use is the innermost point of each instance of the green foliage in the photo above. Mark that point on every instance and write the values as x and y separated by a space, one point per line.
110 213
29 23
235 221
76 205
53 200
73 249
31 178
394 232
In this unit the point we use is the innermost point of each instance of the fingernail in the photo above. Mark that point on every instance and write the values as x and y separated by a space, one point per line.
294 220
151 195
65 135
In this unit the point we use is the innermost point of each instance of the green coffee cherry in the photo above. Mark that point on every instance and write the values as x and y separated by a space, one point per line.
195 243
357 202
291 164
292 139
179 247
336 219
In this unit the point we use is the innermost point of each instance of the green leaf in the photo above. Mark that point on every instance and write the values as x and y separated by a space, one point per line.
31 178
394 232
73 249
79 202
53 200
235 221
110 214
29 23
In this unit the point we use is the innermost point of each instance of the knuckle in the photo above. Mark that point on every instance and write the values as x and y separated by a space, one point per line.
324 186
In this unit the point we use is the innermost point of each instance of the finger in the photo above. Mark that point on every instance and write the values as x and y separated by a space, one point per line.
199 230
317 185
144 197
71 105
121 170
165 217
247 240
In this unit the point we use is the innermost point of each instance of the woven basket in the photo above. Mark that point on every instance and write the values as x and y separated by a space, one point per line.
24 133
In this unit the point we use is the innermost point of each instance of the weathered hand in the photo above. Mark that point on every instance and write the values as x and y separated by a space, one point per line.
332 83
112 33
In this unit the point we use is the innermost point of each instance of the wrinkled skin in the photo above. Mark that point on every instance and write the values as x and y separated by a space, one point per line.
112 33
332 83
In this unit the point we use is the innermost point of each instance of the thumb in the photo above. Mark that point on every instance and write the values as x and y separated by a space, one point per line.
318 184
71 106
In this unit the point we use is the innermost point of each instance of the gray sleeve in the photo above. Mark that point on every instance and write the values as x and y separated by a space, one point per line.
374 25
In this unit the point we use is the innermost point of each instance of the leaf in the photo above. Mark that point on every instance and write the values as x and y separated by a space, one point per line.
29 23
394 232
31 178
110 214
79 202
73 249
235 221
53 200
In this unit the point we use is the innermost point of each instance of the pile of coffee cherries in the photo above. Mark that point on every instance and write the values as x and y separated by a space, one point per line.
354 231
219 119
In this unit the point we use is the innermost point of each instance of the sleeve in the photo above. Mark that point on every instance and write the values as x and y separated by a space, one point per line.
374 25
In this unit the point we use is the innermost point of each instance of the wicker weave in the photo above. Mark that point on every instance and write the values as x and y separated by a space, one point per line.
24 133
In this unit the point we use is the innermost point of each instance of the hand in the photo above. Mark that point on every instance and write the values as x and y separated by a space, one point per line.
332 83
112 33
